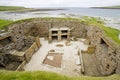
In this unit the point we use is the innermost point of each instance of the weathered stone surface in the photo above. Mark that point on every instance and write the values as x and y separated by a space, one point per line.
118 61
12 66
29 40
9 61
8 47
107 65
105 52
2 60
23 35
119 36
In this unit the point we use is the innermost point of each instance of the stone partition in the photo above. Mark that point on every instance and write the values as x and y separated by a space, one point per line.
29 53
40 27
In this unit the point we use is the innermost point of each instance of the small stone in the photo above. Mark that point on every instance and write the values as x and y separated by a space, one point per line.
119 36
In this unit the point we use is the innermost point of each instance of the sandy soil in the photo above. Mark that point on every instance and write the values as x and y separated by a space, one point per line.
68 62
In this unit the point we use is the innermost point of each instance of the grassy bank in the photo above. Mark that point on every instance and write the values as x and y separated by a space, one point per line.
42 75
11 8
4 24
110 32
108 7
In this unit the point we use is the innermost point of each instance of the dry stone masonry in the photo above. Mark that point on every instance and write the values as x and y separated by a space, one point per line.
22 35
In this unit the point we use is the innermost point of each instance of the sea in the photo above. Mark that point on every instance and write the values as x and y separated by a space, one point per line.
110 16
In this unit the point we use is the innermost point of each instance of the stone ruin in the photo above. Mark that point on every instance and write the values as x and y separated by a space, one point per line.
59 34
21 35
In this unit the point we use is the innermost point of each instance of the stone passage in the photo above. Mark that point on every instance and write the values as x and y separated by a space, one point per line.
59 34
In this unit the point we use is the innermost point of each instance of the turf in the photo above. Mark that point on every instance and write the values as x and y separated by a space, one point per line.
110 32
11 8
4 23
109 7
42 75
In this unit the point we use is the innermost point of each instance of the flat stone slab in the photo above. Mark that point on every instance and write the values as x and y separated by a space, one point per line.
5 35
17 53
53 59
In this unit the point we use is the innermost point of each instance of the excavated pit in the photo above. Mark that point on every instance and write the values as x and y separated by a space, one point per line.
21 43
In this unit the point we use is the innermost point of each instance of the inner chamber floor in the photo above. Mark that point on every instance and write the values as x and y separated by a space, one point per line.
68 57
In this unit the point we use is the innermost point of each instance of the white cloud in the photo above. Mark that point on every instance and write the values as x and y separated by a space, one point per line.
59 3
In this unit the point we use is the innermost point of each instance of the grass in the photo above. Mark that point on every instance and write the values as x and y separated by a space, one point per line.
4 23
11 8
113 7
43 75
110 32
109 7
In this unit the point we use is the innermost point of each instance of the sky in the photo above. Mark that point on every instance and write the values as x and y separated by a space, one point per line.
59 3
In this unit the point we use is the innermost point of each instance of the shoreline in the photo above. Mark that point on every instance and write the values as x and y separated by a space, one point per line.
104 8
113 22
33 10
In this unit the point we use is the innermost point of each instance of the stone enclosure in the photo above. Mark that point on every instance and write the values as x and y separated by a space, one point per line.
21 41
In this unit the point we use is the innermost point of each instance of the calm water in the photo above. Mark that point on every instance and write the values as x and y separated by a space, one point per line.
112 16
90 12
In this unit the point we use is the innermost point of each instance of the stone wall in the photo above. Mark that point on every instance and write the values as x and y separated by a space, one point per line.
118 60
106 51
40 27
33 48
23 35
29 53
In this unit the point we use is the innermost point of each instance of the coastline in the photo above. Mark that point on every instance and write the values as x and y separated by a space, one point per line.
113 22
104 8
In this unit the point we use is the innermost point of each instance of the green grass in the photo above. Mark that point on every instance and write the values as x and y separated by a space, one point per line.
4 24
113 7
110 32
11 8
42 75
109 7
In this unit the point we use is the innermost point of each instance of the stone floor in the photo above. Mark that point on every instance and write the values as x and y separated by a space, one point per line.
69 62
53 59
90 65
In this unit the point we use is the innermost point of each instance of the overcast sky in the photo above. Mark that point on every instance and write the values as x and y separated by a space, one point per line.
59 3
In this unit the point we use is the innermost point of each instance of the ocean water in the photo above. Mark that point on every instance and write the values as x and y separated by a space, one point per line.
111 16
89 12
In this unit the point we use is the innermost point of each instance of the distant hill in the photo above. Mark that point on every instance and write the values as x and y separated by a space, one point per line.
12 8
108 7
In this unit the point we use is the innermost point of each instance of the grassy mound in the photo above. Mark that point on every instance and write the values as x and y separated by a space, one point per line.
42 75
109 7
4 24
11 8
110 32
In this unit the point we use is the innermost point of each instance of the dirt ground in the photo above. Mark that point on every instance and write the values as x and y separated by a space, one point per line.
69 58
90 64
